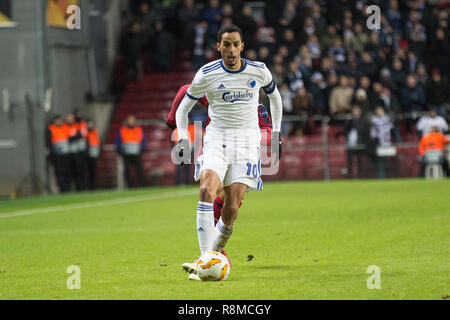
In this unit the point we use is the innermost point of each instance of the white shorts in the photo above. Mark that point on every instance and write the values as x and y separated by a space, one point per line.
233 164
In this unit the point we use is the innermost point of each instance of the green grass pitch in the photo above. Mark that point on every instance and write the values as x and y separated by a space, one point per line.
309 240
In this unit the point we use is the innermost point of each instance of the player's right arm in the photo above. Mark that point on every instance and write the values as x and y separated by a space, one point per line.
193 94
171 120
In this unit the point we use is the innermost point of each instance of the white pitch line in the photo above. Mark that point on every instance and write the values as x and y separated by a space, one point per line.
96 204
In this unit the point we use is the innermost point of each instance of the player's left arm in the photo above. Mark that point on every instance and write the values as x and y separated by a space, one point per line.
276 110
265 125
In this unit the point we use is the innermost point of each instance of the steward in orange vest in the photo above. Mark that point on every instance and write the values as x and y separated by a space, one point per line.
57 141
93 140
77 151
130 144
433 141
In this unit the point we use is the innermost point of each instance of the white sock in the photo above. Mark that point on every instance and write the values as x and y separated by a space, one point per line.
205 225
222 233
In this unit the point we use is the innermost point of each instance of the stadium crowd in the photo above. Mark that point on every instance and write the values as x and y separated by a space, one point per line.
324 56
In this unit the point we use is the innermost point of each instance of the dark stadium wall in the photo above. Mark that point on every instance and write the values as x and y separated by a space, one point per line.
34 58
21 75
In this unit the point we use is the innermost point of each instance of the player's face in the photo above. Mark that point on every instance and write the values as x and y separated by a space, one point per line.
230 48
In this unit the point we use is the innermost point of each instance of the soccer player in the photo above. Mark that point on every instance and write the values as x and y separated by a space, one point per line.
265 125
231 155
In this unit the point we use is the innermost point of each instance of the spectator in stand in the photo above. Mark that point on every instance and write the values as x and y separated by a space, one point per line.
341 97
412 95
393 108
385 79
411 62
329 38
313 46
397 74
432 119
438 93
213 15
93 154
294 76
278 74
351 68
365 83
290 42
304 59
356 131
264 54
373 45
130 144
248 26
433 141
355 43
361 101
266 37
422 75
441 49
288 108
327 65
319 20
188 15
57 143
380 133
316 86
367 66
146 17
163 48
377 89
331 83
289 19
199 43
133 44
308 30
303 104
394 16
337 51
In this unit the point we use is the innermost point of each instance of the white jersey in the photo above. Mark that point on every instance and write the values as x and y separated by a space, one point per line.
232 95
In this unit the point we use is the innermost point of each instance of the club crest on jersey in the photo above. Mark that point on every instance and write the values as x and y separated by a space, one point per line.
237 96
251 83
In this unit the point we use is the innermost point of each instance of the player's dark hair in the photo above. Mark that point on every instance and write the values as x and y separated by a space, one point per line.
229 28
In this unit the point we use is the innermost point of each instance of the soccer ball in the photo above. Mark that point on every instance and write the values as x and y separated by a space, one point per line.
213 266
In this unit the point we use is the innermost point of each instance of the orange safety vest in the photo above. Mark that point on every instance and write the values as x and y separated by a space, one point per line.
131 139
93 143
190 134
432 141
59 139
70 129
58 133
82 127
78 145
93 138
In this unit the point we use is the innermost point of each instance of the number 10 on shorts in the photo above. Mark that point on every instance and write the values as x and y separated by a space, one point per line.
253 170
